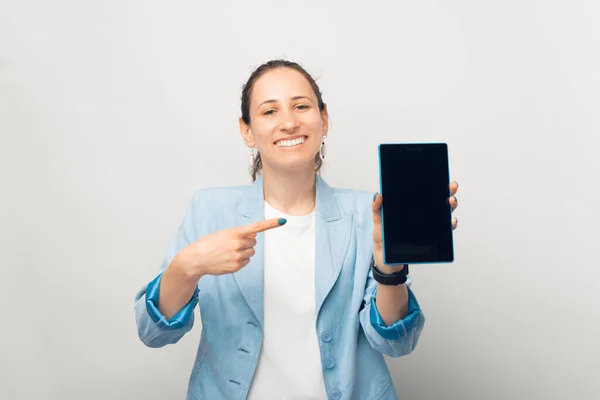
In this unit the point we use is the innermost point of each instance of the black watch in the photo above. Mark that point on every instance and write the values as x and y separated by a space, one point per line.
393 279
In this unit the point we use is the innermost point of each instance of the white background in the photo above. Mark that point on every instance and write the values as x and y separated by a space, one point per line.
112 113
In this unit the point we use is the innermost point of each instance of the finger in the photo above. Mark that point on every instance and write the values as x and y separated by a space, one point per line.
376 208
453 187
247 243
260 226
453 201
377 224
454 223
246 254
242 264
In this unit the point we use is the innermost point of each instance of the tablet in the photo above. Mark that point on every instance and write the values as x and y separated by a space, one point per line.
416 215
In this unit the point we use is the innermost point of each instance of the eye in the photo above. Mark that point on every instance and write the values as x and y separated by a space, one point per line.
269 112
302 107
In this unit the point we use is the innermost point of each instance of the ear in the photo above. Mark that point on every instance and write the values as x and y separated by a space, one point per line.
246 133
325 119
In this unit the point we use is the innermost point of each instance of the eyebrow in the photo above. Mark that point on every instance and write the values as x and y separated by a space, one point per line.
293 98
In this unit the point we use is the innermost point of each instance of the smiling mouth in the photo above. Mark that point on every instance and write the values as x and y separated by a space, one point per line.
291 142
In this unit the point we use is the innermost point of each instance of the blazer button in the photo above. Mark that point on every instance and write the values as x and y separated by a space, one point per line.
329 362
326 336
335 394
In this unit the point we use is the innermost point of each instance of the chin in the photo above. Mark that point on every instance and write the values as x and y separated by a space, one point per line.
295 164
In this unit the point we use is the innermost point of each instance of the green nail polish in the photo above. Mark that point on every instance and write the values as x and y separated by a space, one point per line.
282 221
374 196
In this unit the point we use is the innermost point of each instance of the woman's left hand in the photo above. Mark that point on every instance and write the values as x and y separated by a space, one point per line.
378 229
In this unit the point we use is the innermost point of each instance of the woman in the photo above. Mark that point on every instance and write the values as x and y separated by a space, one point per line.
281 268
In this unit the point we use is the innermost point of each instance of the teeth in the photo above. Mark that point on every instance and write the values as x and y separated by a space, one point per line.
289 143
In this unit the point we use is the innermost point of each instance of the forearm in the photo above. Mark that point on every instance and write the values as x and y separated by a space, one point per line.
392 302
176 289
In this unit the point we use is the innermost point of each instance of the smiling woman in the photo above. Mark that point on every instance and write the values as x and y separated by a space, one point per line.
289 92
283 268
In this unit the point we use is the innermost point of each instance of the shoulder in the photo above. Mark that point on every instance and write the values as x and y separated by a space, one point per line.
219 198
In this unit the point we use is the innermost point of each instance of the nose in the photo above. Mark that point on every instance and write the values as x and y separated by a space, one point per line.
289 122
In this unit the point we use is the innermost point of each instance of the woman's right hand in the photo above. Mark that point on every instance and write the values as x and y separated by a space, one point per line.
225 251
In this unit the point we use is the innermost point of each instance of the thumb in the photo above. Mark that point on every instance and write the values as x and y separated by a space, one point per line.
376 208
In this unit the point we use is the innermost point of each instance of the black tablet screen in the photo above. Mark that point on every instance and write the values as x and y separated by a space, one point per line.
417 218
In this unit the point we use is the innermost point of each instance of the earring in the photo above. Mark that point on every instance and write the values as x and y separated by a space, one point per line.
252 158
322 148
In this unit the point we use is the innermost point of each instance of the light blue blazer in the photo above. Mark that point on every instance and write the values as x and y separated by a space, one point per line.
352 335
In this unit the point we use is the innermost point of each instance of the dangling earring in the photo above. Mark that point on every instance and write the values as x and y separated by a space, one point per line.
252 158
322 148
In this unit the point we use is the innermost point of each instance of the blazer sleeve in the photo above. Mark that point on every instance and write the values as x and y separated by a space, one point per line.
154 330
401 337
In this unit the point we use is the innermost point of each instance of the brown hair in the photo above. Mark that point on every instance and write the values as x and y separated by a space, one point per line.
247 92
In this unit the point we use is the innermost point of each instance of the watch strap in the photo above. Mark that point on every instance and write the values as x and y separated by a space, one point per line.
393 279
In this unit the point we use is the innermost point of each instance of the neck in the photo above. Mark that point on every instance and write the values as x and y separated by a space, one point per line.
291 193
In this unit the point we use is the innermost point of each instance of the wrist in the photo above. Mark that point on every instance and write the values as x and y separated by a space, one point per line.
184 269
389 270
386 269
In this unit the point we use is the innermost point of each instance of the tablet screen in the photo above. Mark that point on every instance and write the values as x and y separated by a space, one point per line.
417 218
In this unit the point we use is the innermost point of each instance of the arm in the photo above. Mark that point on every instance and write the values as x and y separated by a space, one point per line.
394 337
176 288
392 301
164 307
392 319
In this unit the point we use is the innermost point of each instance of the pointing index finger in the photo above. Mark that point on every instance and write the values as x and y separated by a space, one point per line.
261 226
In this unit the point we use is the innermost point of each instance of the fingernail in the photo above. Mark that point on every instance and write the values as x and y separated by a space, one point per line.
374 196
281 221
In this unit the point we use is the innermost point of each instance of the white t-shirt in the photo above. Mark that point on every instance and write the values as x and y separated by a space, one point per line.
289 366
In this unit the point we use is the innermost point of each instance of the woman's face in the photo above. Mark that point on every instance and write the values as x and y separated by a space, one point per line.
286 126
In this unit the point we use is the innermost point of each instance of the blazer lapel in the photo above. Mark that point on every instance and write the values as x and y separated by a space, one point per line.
332 238
250 279
332 233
